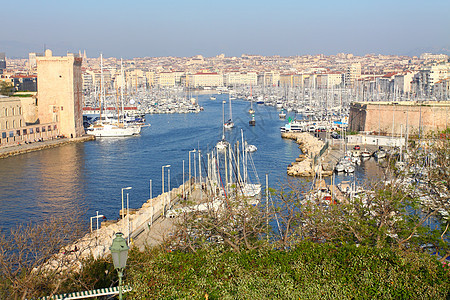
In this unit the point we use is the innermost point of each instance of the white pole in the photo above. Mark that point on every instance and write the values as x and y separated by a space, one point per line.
200 172
195 172
162 194
168 175
151 194
267 205
184 183
128 221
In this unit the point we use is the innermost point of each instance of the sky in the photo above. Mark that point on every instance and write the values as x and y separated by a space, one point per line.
184 28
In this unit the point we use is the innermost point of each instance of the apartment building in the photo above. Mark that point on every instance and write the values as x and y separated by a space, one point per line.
204 80
352 74
240 78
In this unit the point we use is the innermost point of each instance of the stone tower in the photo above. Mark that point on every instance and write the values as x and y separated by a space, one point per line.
59 83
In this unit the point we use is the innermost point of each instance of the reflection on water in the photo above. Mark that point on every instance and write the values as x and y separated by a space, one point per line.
89 176
41 184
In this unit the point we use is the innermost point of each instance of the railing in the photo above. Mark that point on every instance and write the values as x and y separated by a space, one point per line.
321 152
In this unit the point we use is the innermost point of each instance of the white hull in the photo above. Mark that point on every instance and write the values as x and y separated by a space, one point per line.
109 130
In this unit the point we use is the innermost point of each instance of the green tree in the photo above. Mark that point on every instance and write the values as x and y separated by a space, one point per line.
6 88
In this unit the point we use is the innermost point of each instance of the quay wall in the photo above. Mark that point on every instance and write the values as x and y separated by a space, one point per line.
22 148
403 117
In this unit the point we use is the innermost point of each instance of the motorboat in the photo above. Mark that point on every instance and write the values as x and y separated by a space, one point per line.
366 153
339 168
228 124
380 154
250 148
222 145
282 114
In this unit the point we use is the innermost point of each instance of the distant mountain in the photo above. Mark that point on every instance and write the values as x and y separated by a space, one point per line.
433 50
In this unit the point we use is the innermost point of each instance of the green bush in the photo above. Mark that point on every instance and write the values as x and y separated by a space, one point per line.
309 271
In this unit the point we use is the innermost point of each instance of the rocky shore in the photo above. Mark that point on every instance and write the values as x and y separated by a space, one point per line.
304 164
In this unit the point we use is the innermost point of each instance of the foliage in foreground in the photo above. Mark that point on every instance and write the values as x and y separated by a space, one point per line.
309 271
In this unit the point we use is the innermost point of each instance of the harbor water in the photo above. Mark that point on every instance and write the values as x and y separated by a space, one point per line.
89 177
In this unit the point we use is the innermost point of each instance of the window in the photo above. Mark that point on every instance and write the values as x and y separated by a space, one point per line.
6 112
3 135
31 130
12 109
54 127
24 132
37 129
11 134
43 128
18 132
49 128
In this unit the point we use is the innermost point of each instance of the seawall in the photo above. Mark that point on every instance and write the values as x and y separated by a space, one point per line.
36 146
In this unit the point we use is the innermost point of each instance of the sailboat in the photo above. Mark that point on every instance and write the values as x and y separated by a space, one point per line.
229 124
110 128
222 144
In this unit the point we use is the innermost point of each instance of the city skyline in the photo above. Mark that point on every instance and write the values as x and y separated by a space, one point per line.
184 29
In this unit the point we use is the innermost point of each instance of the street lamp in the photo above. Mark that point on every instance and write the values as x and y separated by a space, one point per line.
96 232
127 188
162 175
119 252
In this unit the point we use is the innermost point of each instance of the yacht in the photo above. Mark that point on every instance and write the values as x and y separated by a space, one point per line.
112 130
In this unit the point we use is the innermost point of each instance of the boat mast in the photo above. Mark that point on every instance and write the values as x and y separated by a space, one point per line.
223 120
231 114
121 92
101 86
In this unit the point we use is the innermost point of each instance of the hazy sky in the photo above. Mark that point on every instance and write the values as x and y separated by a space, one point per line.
209 27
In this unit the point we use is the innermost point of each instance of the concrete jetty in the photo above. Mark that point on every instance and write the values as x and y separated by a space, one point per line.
310 146
22 148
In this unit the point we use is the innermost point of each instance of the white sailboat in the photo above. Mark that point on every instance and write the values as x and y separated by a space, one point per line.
229 124
222 144
107 128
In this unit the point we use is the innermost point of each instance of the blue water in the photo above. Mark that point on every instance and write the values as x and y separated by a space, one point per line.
88 177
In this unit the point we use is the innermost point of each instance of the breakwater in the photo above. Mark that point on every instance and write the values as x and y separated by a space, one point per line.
310 161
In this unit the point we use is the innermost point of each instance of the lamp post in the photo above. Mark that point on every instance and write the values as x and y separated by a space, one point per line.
128 219
96 232
127 188
123 209
162 175
190 188
119 252
168 179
